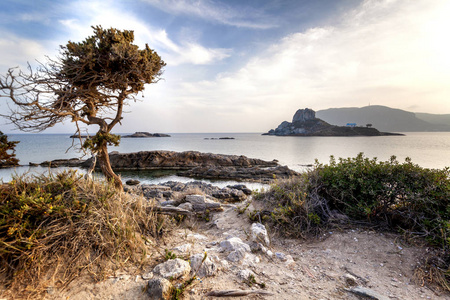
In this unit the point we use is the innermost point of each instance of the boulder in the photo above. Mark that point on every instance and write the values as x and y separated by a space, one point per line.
173 268
159 289
132 182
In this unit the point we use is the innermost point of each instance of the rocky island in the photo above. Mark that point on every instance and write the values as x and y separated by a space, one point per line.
305 123
141 134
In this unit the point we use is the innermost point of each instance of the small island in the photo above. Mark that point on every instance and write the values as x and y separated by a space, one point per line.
141 134
305 123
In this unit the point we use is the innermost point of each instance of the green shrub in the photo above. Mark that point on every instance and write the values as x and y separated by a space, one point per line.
384 194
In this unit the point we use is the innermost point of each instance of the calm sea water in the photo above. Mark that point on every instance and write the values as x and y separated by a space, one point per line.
430 149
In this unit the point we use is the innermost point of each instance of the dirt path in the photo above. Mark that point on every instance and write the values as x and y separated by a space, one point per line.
325 269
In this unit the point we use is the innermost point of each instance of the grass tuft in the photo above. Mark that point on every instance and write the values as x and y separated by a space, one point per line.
55 227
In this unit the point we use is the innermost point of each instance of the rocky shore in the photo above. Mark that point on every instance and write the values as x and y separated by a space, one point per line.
191 164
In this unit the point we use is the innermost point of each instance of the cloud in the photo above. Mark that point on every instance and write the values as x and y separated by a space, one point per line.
217 12
383 52
174 52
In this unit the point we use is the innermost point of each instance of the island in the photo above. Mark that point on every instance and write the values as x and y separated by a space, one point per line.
141 134
305 123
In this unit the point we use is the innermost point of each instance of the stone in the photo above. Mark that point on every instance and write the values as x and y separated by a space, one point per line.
365 292
281 256
245 274
241 187
183 249
205 269
173 268
236 255
250 260
186 206
132 182
233 244
159 289
195 199
259 234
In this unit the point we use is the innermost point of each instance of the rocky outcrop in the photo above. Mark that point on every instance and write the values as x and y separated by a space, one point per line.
305 123
191 164
141 134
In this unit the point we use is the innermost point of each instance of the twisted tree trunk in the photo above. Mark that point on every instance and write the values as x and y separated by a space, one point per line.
105 166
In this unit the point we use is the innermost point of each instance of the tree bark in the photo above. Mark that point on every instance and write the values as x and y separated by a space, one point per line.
105 166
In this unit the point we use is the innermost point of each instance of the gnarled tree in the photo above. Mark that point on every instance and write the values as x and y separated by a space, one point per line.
89 83
7 149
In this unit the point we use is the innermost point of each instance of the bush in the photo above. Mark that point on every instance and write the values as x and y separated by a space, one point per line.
57 226
384 194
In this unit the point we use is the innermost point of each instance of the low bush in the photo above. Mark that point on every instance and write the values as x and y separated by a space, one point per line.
54 227
384 194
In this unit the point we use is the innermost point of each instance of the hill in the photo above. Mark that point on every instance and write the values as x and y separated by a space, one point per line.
385 118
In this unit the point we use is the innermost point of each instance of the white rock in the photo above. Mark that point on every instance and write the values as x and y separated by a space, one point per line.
173 268
250 260
197 236
245 274
205 269
259 234
183 249
233 244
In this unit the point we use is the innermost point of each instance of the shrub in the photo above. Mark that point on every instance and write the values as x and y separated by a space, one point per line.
385 194
59 225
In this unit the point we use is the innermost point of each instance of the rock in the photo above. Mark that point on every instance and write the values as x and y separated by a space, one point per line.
132 182
159 288
145 135
303 115
259 234
205 269
169 203
350 279
173 268
186 206
230 195
236 255
281 256
183 249
233 244
147 276
250 260
245 274
242 188
365 292
195 199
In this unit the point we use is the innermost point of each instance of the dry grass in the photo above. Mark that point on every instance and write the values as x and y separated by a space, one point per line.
54 228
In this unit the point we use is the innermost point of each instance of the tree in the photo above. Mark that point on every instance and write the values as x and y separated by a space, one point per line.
89 83
7 159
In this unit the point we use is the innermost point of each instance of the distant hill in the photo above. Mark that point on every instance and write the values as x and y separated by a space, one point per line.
434 119
385 118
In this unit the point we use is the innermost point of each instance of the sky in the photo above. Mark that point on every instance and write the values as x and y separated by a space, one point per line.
246 66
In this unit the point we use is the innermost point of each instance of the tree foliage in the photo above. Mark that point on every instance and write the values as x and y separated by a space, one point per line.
7 149
89 83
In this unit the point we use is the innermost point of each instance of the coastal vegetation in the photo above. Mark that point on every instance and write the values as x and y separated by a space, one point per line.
55 227
383 195
88 84
7 152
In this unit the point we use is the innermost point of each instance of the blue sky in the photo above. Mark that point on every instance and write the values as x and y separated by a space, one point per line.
245 66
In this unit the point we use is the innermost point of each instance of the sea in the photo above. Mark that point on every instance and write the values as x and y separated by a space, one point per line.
427 149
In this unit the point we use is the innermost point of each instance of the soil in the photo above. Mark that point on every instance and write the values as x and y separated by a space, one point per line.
321 269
